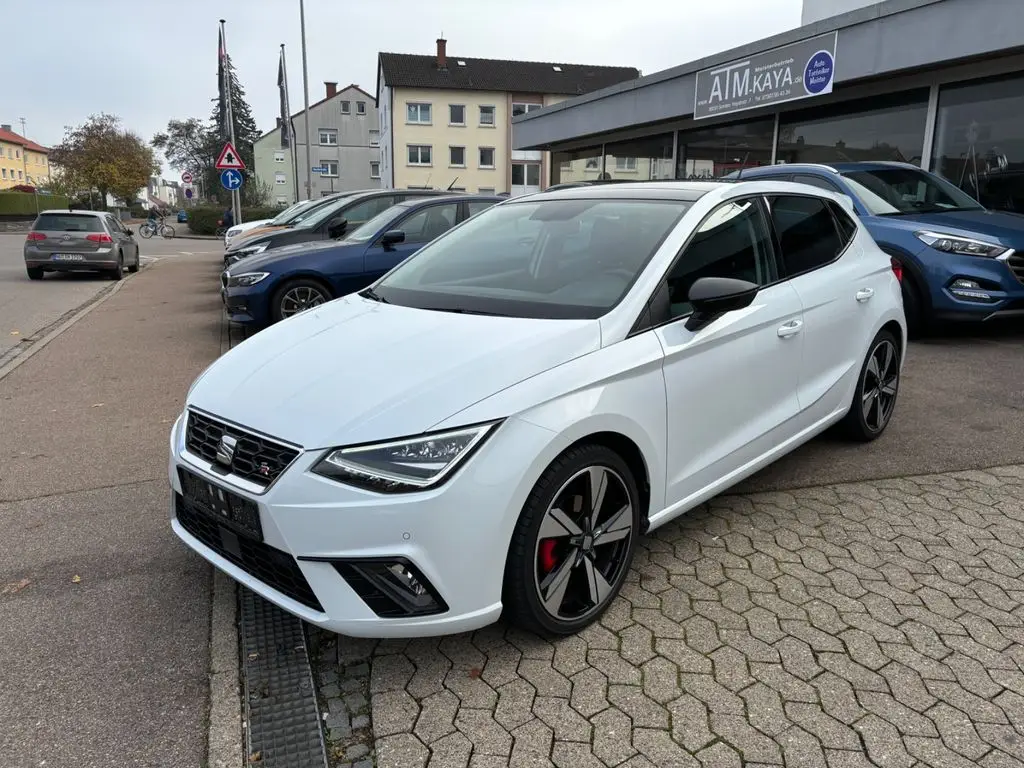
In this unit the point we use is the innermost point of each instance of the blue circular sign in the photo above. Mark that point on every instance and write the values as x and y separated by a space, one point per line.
818 73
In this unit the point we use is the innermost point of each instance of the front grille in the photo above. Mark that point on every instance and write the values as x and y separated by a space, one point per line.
1016 265
257 459
271 566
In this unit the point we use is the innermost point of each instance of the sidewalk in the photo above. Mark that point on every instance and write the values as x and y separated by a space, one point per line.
104 616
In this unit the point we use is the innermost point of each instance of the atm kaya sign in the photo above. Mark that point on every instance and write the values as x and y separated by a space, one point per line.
795 71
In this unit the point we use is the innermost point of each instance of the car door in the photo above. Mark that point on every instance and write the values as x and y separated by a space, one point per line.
730 386
130 247
120 238
827 271
420 227
358 213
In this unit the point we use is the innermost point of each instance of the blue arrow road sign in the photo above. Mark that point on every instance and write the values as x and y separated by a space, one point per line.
231 179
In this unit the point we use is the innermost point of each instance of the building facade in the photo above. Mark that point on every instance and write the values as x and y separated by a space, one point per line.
446 121
938 83
22 161
344 143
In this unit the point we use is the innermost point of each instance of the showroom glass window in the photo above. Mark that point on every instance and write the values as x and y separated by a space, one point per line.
710 153
639 159
979 141
578 165
880 128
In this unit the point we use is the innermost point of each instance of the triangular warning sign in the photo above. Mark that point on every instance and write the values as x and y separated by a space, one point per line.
229 158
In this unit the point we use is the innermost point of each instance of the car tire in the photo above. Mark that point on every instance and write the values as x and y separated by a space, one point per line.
877 390
134 267
559 576
117 272
34 273
285 298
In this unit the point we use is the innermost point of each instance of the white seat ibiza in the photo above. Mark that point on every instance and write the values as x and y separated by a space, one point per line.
488 428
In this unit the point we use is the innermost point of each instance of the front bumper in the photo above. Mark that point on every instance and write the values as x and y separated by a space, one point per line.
246 306
971 288
456 536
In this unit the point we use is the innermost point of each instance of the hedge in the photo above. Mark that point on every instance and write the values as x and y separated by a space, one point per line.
24 204
203 221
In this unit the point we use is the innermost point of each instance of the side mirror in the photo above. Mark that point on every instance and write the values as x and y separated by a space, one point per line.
391 238
337 227
131 232
712 297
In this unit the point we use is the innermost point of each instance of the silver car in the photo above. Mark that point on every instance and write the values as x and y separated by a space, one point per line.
80 241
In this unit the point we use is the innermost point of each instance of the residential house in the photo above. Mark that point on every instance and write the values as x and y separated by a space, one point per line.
446 121
344 140
22 161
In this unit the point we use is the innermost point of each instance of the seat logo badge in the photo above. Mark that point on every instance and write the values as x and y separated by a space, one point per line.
264 469
226 450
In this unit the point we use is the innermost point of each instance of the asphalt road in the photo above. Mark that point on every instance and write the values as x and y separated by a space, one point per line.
104 615
27 307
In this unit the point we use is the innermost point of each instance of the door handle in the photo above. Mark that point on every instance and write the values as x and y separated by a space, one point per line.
865 293
792 328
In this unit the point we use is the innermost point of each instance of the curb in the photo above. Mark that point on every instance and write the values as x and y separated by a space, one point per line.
224 739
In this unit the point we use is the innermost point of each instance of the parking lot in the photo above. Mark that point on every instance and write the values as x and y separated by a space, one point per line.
852 605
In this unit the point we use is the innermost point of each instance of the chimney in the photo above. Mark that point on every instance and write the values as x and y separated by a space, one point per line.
442 53
5 127
332 88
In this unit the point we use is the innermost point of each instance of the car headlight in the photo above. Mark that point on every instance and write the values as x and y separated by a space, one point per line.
246 279
252 250
964 246
408 464
232 232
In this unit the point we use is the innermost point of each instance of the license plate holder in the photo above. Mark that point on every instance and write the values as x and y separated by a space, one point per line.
68 257
221 505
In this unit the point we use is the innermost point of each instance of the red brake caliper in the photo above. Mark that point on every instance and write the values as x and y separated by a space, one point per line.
547 555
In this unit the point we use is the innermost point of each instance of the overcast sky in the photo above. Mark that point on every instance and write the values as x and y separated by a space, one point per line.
149 62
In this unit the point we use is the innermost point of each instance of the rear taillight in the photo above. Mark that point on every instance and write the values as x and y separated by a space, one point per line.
897 268
36 236
103 238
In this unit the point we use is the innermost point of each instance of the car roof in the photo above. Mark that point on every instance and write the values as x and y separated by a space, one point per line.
448 198
689 191
831 168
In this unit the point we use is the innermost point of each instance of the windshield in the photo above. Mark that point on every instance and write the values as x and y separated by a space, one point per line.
288 213
319 215
366 232
572 259
897 191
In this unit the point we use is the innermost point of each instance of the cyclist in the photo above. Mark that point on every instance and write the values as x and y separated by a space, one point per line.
153 221
229 219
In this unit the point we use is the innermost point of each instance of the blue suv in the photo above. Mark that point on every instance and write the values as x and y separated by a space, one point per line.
960 261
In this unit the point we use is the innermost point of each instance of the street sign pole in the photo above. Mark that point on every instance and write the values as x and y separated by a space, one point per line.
236 198
305 89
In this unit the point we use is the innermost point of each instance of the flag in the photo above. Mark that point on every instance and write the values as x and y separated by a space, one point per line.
286 120
222 84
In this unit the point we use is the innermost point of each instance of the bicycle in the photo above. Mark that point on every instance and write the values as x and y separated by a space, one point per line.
147 230
221 229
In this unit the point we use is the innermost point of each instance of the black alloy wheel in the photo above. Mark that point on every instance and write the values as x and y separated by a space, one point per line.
874 400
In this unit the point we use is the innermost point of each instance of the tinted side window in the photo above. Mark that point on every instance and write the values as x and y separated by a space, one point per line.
429 223
733 241
815 181
847 226
365 210
479 205
807 233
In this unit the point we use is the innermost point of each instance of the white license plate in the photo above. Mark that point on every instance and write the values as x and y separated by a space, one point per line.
68 257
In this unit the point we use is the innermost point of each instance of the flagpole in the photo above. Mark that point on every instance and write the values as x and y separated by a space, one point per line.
290 127
305 88
236 198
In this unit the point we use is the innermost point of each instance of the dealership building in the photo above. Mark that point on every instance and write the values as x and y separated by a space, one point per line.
937 83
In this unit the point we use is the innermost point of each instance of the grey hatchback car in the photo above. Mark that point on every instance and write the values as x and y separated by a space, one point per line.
80 241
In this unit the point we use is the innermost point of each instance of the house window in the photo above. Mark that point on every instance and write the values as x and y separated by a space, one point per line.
593 164
486 157
346 107
457 157
330 168
374 138
487 115
419 154
374 169
625 163
419 113
329 136
360 107
17 153
282 200
456 114
458 189
565 166
4 172
20 176
522 109
486 190
279 178
279 157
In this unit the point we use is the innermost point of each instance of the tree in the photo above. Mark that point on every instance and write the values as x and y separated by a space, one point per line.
192 145
102 155
246 133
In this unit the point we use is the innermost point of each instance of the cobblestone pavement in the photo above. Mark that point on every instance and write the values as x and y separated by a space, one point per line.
850 625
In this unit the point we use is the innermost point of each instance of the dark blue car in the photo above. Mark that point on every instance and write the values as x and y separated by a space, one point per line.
960 260
283 281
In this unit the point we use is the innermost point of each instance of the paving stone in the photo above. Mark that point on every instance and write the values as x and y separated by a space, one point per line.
403 750
613 732
589 692
753 744
957 732
487 736
515 704
800 749
690 724
437 716
660 749
530 741
909 722
394 712
831 733
883 743
720 755
451 751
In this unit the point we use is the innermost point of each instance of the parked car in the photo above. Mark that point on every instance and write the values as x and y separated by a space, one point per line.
182 217
80 241
491 426
285 281
961 261
340 216
282 218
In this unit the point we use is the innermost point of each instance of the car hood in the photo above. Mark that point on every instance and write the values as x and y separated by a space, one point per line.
355 370
997 226
248 226
274 257
249 237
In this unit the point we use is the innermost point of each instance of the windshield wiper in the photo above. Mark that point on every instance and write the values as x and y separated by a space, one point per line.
372 295
459 311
